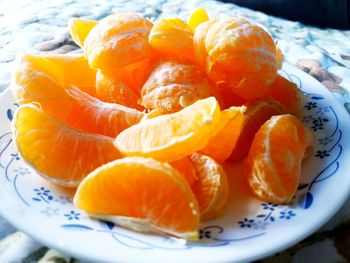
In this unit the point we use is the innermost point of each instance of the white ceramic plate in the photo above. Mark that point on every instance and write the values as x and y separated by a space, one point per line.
249 230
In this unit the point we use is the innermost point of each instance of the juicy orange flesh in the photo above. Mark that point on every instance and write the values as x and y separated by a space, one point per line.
69 103
65 69
199 41
76 72
101 118
178 134
61 152
141 188
221 145
198 16
110 89
136 74
211 189
173 85
172 36
79 29
257 113
274 171
287 93
185 168
118 40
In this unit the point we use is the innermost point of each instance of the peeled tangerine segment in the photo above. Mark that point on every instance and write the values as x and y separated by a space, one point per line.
287 93
79 29
211 189
256 113
222 144
109 88
273 165
56 151
172 136
141 194
35 81
199 36
172 36
64 69
198 16
185 167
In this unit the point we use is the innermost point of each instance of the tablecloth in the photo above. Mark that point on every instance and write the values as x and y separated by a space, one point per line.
41 27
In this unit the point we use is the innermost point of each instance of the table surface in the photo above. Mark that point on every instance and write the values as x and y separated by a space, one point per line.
40 27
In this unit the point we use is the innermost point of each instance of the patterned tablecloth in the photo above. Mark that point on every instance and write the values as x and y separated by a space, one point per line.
40 27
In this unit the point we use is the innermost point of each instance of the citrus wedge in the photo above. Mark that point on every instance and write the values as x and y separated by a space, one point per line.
198 16
57 152
184 166
211 189
141 194
35 81
273 165
257 112
221 145
172 136
79 29
172 36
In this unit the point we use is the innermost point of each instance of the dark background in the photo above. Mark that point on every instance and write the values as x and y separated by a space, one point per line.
322 13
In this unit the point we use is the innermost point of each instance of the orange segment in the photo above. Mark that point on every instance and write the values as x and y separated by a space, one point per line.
257 113
215 73
79 29
118 40
221 145
141 194
287 93
172 136
136 74
185 167
199 36
211 189
74 68
35 81
90 114
173 85
273 171
172 36
65 69
109 88
56 151
198 16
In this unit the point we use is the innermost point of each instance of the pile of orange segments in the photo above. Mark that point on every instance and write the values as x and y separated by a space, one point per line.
143 120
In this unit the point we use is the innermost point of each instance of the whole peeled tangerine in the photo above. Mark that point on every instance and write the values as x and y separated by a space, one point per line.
118 40
243 52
